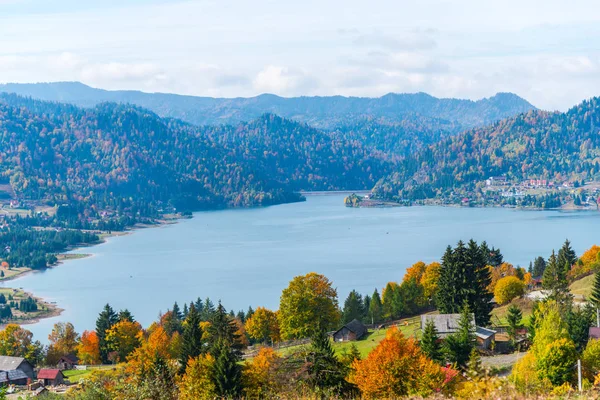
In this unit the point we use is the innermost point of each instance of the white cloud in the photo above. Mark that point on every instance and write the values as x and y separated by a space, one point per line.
283 81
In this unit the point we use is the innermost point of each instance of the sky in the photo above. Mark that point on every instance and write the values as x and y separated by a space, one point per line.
545 51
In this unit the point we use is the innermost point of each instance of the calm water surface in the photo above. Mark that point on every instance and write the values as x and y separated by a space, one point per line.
246 257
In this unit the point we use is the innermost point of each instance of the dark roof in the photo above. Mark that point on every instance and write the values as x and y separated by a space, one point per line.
10 363
49 373
39 391
13 375
355 326
70 358
594 332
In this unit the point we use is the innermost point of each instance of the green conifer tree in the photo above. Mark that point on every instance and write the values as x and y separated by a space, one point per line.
458 346
514 318
375 309
474 365
430 342
326 372
227 371
566 256
353 308
191 339
105 321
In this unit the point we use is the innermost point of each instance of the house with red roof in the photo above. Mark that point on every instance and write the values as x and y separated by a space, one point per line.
51 377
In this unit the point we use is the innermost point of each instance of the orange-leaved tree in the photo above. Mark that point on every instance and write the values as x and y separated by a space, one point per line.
417 270
396 368
258 375
88 350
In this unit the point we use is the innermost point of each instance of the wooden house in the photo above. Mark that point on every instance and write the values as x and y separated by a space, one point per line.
353 330
67 362
448 324
15 370
51 377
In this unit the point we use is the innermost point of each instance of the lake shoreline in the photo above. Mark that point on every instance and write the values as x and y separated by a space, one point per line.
52 309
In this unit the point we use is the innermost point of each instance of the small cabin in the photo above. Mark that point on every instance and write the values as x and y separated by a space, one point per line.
354 330
51 377
67 362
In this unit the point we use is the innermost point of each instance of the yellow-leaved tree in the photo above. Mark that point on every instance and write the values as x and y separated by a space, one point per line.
263 326
509 288
198 382
308 305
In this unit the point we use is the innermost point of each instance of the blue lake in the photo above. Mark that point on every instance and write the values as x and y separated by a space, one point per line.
246 257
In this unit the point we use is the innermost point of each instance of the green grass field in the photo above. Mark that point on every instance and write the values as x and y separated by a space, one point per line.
583 287
74 375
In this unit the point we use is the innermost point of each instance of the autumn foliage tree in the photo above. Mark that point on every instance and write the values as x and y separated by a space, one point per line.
63 340
198 381
263 326
397 368
508 288
308 305
123 338
258 375
18 342
88 350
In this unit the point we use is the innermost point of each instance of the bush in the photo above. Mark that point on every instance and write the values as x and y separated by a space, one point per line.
557 362
508 288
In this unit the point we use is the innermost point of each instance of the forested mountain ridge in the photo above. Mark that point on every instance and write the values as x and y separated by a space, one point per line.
537 144
122 156
321 112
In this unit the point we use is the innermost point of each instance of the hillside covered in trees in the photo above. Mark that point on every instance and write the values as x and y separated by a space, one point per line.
321 112
537 144
127 158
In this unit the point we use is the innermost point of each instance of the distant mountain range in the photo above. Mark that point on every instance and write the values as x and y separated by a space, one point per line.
320 112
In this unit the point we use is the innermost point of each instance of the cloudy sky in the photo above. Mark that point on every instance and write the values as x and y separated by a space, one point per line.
546 51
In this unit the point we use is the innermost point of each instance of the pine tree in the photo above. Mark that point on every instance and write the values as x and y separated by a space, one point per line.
208 310
353 308
185 310
326 372
514 319
177 312
375 308
199 304
430 342
125 315
539 266
105 321
223 329
459 345
249 313
555 281
566 257
595 296
481 298
191 339
449 284
227 371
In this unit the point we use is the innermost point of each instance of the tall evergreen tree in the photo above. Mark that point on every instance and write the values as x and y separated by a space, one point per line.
566 256
514 318
450 284
459 345
554 280
595 296
177 312
125 315
223 329
539 266
375 308
366 304
481 297
191 339
105 321
353 308
227 371
250 312
326 372
199 304
208 310
430 342
185 310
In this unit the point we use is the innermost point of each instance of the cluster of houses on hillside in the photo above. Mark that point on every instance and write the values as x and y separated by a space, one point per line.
17 371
